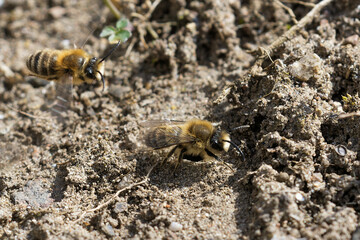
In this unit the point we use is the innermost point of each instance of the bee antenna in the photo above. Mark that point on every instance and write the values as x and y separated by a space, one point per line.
237 148
102 79
109 53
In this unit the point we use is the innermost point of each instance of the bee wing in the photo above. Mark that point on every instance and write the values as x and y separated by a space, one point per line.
166 136
160 122
64 95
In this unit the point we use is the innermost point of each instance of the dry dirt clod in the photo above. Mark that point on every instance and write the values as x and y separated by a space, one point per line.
309 66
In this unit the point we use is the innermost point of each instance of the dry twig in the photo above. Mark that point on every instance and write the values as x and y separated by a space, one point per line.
289 10
113 197
306 4
152 8
25 113
112 8
145 24
347 115
287 36
266 53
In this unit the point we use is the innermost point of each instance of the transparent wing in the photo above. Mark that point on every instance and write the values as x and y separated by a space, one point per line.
160 122
166 136
63 96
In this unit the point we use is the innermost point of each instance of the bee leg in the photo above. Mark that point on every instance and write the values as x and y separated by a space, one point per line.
217 158
180 159
169 155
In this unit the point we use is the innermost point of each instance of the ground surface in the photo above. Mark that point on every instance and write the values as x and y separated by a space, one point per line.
299 179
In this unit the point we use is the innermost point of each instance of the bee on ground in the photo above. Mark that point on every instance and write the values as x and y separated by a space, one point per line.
73 64
195 140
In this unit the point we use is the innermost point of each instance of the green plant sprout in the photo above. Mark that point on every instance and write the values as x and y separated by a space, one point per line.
121 31
351 102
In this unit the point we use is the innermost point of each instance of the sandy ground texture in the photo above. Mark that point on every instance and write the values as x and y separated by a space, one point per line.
84 176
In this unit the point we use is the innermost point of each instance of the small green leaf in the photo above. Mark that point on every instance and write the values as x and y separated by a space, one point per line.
122 23
122 35
112 39
107 31
118 33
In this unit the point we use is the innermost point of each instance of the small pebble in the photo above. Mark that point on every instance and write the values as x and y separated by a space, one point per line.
66 44
120 207
108 230
309 66
341 150
34 194
119 92
283 177
299 197
353 40
112 221
37 82
57 12
175 226
86 96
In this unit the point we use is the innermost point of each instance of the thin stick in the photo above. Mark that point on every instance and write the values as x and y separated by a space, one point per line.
151 31
288 35
112 8
113 197
25 113
289 10
226 164
306 4
130 47
152 8
138 15
143 26
347 115
224 93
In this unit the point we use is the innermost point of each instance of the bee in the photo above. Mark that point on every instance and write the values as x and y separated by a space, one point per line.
195 140
60 65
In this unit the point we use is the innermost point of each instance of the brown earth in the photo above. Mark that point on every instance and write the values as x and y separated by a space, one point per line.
299 179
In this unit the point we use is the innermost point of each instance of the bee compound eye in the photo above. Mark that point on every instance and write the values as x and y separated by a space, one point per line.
89 69
89 72
214 141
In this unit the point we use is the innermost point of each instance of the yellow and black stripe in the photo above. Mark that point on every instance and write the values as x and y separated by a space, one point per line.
43 63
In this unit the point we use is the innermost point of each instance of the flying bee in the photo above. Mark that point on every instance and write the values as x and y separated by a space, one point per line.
59 65
194 140
67 68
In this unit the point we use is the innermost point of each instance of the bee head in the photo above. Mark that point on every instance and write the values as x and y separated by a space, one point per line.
95 70
220 140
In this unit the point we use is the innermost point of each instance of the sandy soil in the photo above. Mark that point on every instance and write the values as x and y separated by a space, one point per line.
299 179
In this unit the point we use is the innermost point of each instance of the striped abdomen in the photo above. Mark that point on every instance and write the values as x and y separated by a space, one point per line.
162 137
43 63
